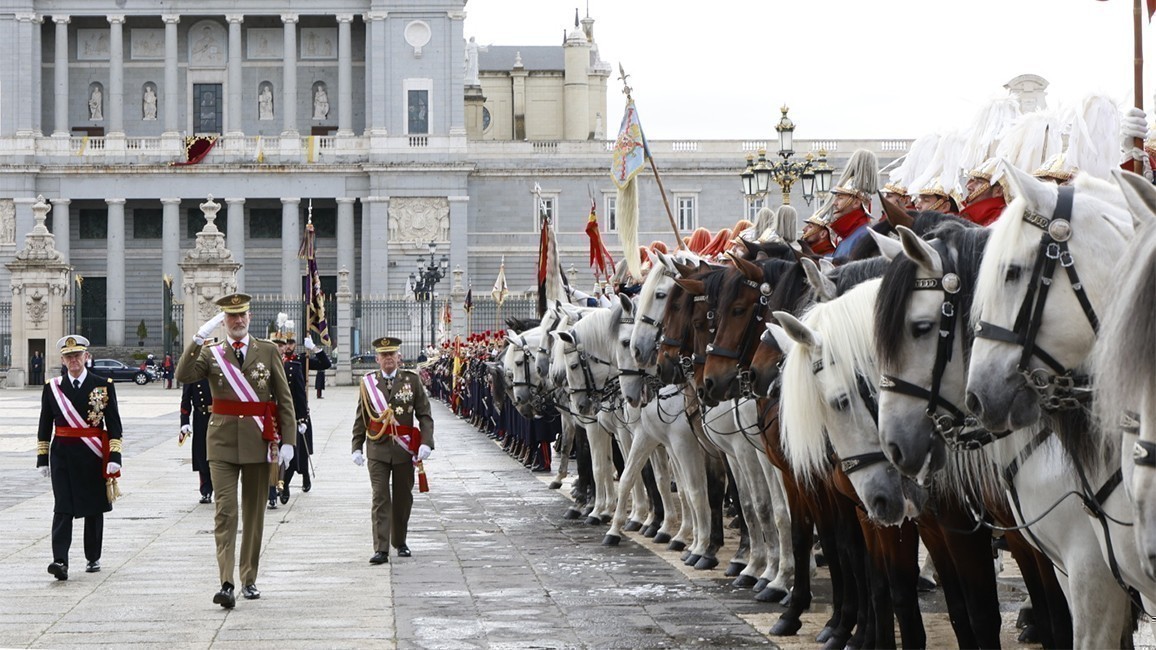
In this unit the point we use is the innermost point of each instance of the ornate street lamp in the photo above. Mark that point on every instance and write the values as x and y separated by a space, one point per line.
814 176
423 281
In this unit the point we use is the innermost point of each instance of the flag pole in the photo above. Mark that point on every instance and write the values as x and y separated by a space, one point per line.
627 90
1138 73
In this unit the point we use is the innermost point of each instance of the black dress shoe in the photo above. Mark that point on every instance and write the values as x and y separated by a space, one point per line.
403 551
285 495
59 570
93 567
272 504
306 484
206 498
380 557
225 597
250 592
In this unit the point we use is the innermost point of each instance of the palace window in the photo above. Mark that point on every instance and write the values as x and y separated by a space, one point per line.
687 212
265 223
147 223
610 220
93 223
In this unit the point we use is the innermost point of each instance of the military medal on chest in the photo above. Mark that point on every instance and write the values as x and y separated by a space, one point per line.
260 375
97 400
403 398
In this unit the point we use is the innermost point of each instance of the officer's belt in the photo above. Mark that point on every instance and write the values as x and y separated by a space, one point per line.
79 432
266 410
397 431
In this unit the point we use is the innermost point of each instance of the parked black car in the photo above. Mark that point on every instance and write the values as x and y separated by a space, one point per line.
117 371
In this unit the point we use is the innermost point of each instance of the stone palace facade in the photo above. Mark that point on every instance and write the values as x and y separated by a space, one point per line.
379 115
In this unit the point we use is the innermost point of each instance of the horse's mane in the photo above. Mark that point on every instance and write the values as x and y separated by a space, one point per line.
791 292
845 351
1124 360
723 288
965 245
522 324
852 274
595 330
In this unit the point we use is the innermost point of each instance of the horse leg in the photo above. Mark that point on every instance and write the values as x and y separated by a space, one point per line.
1052 619
663 508
602 468
802 526
778 531
638 452
715 488
843 543
565 445
583 490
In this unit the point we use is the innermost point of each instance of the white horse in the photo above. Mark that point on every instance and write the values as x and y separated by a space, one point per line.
1124 364
913 425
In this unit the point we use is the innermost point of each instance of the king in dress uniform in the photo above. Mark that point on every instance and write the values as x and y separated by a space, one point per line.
391 401
251 431
83 457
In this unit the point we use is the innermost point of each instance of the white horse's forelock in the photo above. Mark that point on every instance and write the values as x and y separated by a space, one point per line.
846 353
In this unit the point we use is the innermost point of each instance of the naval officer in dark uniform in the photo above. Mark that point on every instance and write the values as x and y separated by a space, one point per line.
84 455
196 405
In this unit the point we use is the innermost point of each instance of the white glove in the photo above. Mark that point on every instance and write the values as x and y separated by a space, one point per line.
286 455
210 325
43 471
309 344
186 429
301 427
423 452
113 468
358 458
1133 124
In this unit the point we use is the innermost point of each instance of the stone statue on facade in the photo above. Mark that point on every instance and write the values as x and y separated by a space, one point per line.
265 103
320 103
7 222
472 63
149 103
96 104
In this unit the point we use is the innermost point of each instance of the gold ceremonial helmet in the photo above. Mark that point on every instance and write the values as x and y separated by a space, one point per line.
387 344
72 343
234 303
286 333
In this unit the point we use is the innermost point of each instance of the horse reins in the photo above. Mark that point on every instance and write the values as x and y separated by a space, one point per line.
855 463
1064 389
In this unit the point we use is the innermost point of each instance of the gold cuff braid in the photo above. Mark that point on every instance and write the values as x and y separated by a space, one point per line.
114 445
41 447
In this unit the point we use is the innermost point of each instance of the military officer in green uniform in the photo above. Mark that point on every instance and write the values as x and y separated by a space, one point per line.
84 455
252 415
391 402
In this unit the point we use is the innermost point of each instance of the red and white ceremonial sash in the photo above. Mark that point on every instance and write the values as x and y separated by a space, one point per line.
72 416
241 388
376 397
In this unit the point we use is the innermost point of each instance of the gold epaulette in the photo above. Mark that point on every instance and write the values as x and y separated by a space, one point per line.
41 447
115 445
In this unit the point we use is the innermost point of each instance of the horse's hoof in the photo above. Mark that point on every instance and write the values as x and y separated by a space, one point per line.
743 581
691 559
1025 617
651 530
706 563
786 627
1029 634
675 545
632 526
824 634
925 585
587 510
554 485
761 584
820 560
572 514
836 643
734 569
611 540
786 602
607 518
662 538
593 521
771 595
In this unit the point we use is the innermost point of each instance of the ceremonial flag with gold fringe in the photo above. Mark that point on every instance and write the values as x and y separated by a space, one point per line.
600 259
500 290
469 303
315 300
630 155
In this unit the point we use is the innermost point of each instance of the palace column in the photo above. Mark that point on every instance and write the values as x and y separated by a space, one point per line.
344 77
345 243
171 238
171 94
290 243
289 83
233 121
60 76
235 236
115 103
115 270
375 246
62 226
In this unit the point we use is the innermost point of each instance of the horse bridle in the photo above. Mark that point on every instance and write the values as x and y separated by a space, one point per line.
1063 389
590 388
855 463
757 318
958 429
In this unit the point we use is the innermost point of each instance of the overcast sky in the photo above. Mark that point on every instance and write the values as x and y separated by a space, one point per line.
847 68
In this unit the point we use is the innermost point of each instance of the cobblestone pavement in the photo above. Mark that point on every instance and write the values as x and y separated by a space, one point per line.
495 565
